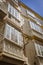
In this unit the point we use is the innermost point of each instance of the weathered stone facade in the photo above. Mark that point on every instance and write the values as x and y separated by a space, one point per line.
21 34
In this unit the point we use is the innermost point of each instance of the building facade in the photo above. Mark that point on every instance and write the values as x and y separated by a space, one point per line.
33 37
21 34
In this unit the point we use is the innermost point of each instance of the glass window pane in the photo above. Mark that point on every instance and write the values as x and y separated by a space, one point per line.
9 8
35 27
14 35
8 31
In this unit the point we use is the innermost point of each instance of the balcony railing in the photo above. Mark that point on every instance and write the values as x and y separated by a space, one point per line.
12 49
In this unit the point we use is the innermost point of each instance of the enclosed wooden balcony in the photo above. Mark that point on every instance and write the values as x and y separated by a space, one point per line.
10 50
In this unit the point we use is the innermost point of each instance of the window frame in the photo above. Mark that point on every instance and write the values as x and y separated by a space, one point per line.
36 27
17 35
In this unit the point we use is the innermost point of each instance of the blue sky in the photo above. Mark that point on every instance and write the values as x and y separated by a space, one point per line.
36 5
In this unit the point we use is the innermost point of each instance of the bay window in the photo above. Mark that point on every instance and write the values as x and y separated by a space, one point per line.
36 27
14 12
13 34
39 48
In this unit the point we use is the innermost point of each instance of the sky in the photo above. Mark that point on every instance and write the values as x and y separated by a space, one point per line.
36 5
